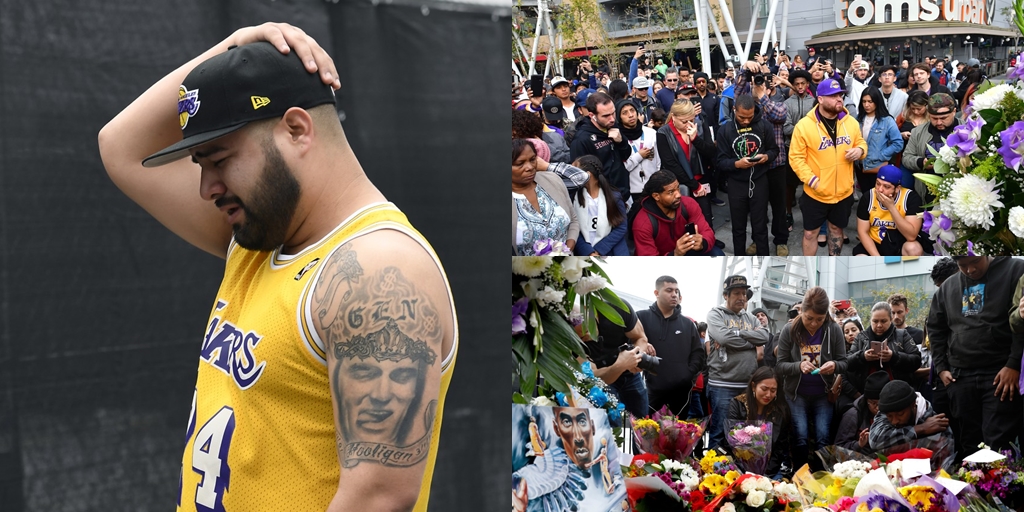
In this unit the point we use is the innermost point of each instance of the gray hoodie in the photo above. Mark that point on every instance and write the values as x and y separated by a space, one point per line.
737 335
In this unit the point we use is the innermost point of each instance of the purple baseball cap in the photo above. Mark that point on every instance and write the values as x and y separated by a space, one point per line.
830 87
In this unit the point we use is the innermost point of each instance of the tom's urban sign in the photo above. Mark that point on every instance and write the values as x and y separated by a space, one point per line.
864 12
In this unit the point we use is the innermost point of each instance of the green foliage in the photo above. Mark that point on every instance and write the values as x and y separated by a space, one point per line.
918 301
1012 107
989 168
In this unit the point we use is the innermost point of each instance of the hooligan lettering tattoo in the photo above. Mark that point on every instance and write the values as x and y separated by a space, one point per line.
385 337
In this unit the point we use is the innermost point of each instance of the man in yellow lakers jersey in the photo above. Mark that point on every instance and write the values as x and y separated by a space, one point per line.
887 219
331 342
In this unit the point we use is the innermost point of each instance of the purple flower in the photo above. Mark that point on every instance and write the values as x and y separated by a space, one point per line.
926 226
970 248
945 223
543 247
518 310
964 137
1012 148
1018 70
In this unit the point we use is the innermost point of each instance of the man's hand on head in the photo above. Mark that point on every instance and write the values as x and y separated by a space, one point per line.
287 38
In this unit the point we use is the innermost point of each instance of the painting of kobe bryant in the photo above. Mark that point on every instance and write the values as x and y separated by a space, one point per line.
564 458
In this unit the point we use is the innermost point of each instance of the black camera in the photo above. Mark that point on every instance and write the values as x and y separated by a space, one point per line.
648 363
763 78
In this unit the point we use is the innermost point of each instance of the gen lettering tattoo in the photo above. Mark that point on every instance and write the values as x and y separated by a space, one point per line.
385 337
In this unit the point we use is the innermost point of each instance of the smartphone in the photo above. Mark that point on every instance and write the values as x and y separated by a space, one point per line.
857 57
843 304
640 46
691 229
752 158
876 346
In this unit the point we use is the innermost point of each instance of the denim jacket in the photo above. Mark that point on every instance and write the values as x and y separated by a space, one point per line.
884 141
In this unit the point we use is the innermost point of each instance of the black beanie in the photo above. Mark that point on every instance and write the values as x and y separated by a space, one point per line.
896 396
874 384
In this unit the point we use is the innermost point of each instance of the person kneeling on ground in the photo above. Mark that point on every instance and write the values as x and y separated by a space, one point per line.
887 219
668 224
903 416
855 427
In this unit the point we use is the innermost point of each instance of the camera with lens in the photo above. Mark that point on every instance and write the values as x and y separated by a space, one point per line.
648 363
763 78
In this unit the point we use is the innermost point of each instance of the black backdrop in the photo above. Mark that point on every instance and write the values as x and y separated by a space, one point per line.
102 309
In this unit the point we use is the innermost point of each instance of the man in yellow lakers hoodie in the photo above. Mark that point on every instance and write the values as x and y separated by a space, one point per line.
825 144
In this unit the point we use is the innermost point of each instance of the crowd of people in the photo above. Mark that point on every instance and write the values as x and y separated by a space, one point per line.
830 375
637 162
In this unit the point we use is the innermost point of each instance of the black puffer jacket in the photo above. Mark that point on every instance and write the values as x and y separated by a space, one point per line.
906 357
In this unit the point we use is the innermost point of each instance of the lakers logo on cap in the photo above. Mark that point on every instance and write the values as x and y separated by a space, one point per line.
188 104
259 101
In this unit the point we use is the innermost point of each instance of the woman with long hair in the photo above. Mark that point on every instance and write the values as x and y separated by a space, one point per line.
762 403
965 92
798 62
541 208
600 212
915 113
880 131
851 328
812 351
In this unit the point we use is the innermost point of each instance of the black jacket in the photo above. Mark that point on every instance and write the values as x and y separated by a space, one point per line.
780 429
980 339
674 160
678 345
906 358
735 142
590 140
852 422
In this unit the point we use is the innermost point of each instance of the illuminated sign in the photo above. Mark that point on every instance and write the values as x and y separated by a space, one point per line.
863 12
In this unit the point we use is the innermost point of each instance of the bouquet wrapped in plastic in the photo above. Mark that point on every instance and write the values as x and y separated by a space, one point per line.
665 434
751 445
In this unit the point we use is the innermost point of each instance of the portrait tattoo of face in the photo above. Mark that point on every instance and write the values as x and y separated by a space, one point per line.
577 433
381 331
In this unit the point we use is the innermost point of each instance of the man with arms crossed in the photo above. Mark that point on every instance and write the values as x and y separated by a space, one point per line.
330 346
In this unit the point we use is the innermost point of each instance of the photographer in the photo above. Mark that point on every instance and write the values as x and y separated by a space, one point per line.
617 355
675 338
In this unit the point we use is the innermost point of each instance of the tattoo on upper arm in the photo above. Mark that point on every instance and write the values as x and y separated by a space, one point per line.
384 335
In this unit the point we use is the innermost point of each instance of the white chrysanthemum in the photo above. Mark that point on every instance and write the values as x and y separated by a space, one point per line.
948 155
728 507
590 284
672 465
530 266
992 97
973 200
572 268
755 498
688 477
1017 221
549 296
543 401
851 469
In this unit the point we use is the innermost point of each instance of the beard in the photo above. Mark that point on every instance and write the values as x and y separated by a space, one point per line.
269 211
831 108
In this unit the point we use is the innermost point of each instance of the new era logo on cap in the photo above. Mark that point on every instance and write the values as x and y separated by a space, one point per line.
259 101
234 88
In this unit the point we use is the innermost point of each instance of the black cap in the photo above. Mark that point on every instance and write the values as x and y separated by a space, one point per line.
874 384
896 396
734 282
760 310
228 91
552 107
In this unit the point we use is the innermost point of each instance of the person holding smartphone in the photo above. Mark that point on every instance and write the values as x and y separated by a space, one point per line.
746 148
686 149
882 347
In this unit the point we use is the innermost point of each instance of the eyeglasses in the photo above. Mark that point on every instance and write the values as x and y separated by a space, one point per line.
671 79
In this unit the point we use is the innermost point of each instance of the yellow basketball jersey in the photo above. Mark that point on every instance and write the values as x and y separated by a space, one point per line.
879 217
261 433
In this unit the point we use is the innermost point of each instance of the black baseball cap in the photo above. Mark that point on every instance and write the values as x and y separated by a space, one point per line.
553 110
244 84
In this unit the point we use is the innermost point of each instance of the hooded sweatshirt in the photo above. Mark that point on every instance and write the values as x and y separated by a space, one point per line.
968 325
735 143
737 336
833 348
678 345
669 230
813 155
591 140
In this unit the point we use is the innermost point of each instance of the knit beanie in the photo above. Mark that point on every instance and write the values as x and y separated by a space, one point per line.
896 396
874 384
542 149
